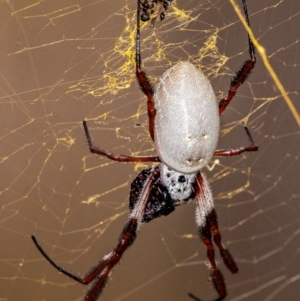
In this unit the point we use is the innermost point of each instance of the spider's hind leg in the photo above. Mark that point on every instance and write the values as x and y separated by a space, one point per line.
142 78
244 71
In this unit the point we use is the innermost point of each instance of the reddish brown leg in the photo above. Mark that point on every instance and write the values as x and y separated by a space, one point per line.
119 158
216 275
142 78
233 152
244 71
206 219
102 270
214 228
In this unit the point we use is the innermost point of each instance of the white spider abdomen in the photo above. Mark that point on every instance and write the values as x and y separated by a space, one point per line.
187 118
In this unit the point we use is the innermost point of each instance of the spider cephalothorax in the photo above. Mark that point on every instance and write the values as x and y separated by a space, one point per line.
179 185
168 189
183 115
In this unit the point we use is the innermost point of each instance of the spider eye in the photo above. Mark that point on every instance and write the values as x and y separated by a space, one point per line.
168 175
181 179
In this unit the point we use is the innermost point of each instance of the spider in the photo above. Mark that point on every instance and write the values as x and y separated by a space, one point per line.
183 115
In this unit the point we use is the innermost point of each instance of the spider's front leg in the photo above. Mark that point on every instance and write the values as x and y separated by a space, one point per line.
206 219
100 272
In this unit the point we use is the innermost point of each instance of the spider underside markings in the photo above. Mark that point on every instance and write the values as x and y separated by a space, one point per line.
158 190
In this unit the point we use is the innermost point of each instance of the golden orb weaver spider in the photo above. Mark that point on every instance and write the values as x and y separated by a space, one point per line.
184 106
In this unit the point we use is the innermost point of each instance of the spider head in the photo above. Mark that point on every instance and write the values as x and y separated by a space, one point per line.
179 185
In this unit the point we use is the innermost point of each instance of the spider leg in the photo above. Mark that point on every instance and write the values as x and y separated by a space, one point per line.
100 272
206 219
142 78
233 152
59 268
194 297
216 275
214 228
244 71
114 157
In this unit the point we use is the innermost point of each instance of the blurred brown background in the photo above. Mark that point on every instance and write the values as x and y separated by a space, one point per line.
65 61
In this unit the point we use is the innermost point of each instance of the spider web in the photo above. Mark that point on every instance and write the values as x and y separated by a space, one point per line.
65 61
